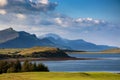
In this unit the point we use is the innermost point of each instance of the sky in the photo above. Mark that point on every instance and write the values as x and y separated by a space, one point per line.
96 21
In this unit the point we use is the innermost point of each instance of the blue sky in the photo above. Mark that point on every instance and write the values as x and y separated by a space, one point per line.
96 21
98 9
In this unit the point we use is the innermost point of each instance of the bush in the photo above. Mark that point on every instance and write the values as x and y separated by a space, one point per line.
11 70
42 67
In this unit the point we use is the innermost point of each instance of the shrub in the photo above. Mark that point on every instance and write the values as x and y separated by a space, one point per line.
42 67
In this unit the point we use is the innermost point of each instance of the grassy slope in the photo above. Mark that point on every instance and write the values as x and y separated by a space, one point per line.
7 51
59 76
27 50
37 49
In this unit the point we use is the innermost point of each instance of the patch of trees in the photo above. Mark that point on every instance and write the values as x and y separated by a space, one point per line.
17 66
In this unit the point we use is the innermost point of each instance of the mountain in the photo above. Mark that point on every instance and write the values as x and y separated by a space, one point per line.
78 44
57 40
10 38
21 39
55 36
8 34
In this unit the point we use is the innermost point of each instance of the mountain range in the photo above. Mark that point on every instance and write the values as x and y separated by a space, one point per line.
9 38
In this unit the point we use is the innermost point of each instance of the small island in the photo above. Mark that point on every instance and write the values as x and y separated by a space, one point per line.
36 54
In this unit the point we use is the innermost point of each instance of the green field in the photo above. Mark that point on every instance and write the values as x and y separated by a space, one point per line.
23 51
9 51
59 76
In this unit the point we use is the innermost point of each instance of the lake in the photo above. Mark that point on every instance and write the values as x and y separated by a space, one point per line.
110 63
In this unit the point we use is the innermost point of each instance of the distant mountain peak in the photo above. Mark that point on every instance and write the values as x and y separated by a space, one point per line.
55 36
8 34
8 29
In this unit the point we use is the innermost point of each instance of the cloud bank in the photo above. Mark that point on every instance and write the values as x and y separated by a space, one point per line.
27 6
3 3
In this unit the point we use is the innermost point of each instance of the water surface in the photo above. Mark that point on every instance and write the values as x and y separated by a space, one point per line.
110 63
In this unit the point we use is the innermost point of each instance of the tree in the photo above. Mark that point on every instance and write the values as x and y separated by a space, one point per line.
4 65
25 66
31 67
42 67
12 67
18 66
35 67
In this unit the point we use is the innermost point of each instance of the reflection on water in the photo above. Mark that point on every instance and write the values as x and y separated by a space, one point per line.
111 62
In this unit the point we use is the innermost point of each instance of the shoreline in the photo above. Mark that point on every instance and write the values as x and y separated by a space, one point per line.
47 59
93 52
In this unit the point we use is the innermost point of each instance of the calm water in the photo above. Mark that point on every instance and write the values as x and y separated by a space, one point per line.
110 63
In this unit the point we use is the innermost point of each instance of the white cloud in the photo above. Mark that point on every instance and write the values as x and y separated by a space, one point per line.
21 16
89 19
27 6
58 20
3 12
43 1
90 22
3 3
40 1
64 21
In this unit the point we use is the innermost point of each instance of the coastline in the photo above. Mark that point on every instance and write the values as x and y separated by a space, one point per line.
93 52
48 59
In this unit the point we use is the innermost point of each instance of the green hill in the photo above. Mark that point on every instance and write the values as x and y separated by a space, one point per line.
43 52
37 49
34 52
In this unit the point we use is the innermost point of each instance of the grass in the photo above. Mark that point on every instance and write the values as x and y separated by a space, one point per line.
23 51
9 51
43 49
60 76
37 49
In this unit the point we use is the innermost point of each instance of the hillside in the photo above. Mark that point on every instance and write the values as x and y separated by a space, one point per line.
43 52
115 50
34 52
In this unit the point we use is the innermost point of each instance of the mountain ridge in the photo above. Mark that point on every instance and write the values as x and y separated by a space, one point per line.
27 40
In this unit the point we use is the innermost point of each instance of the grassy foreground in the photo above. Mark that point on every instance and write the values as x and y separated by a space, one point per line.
59 76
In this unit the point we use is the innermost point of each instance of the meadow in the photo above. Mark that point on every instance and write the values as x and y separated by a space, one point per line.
60 76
